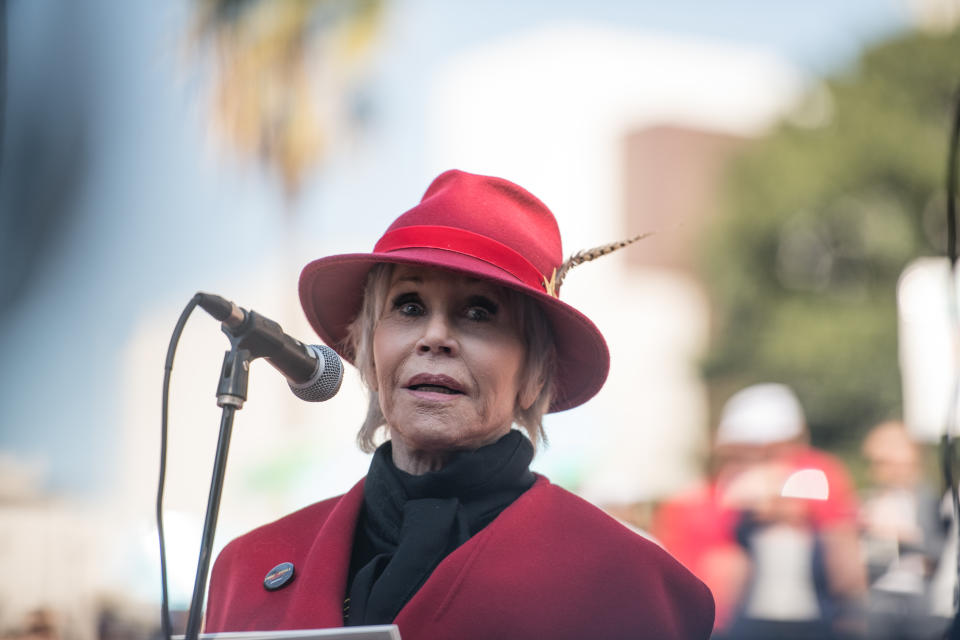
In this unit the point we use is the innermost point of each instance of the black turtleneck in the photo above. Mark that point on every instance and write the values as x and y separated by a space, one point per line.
410 523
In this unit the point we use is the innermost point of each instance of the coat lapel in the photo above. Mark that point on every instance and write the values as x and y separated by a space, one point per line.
431 601
323 578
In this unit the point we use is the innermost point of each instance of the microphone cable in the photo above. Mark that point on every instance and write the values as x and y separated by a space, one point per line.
167 368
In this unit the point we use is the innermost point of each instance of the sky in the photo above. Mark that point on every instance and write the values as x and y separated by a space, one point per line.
153 212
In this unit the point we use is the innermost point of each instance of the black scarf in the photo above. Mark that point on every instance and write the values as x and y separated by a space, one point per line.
410 523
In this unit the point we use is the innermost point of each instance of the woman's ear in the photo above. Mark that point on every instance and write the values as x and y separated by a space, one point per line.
529 392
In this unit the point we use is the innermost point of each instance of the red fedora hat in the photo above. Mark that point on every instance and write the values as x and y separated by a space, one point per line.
489 228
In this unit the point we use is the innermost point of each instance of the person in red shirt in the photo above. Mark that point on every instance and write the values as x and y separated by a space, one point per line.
774 532
797 521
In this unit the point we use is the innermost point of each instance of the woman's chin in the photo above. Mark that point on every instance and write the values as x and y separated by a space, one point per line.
430 439
433 435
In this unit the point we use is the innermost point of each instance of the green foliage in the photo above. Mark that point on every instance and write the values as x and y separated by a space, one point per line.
818 222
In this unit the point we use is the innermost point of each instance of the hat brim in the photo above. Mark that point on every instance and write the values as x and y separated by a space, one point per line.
331 293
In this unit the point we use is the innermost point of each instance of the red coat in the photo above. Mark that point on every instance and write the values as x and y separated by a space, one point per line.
549 566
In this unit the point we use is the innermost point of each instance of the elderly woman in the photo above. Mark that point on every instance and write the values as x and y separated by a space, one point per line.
455 325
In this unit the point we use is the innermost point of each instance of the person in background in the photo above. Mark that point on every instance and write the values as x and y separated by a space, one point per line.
699 529
903 537
455 324
796 521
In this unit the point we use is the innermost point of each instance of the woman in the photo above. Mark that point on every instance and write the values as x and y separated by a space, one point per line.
455 325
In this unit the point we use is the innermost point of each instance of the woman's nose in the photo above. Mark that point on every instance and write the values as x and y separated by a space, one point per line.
437 336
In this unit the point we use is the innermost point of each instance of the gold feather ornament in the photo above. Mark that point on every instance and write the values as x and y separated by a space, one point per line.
556 278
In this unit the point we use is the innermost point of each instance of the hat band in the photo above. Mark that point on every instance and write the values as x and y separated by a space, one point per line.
464 242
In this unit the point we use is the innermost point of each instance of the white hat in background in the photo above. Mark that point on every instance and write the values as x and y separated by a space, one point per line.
761 414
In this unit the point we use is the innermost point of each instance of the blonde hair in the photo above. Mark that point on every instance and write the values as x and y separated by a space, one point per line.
539 364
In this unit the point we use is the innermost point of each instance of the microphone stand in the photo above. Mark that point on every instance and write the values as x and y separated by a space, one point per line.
231 394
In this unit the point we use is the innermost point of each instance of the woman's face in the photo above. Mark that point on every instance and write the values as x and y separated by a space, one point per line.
448 359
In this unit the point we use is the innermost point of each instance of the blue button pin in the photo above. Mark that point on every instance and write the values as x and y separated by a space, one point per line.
279 576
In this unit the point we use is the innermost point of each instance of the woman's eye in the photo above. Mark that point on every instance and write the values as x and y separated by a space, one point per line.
408 304
411 309
478 314
481 309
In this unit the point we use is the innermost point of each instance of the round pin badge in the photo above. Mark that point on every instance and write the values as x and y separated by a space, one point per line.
279 576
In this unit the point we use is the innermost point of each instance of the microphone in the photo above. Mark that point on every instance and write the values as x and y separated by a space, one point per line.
314 372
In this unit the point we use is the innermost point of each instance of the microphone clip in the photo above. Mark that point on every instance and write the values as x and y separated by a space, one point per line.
234 376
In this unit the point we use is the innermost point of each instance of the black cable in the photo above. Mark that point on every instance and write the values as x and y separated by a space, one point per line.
167 368
948 445
952 184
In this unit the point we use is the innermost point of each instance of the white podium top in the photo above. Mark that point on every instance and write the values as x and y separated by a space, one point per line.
374 632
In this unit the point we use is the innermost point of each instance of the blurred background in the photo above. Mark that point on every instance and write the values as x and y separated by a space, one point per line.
788 157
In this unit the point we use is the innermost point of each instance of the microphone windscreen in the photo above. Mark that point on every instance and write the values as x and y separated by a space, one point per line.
326 380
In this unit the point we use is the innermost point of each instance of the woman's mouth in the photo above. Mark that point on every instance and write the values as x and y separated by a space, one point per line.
433 388
431 383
